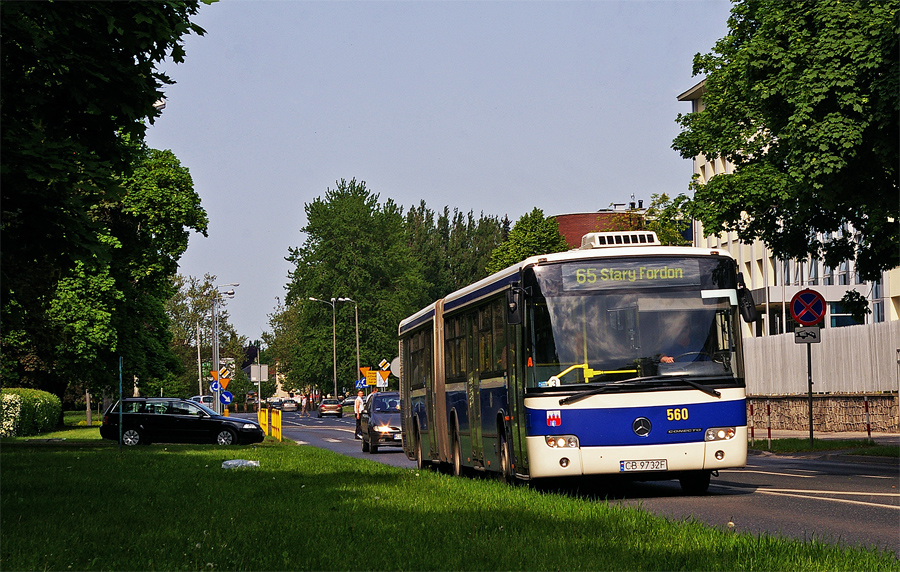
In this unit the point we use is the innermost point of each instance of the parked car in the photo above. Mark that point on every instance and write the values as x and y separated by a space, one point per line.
380 421
348 401
330 407
289 405
206 400
171 420
275 404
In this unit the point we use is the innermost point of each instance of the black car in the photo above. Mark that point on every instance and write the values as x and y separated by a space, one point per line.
380 421
172 420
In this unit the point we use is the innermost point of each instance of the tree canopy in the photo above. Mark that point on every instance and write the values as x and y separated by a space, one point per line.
93 222
532 234
389 264
803 98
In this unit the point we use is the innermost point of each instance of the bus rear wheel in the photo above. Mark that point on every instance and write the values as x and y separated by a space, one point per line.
420 460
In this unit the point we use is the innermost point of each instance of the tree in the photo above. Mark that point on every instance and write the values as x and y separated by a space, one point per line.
79 80
355 248
667 219
112 304
802 98
453 253
532 234
189 313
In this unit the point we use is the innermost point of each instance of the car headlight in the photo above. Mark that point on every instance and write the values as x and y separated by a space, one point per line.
383 428
562 441
248 426
719 433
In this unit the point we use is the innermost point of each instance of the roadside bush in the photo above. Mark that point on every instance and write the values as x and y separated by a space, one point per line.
28 412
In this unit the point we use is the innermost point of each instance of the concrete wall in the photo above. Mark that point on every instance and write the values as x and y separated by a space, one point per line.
831 413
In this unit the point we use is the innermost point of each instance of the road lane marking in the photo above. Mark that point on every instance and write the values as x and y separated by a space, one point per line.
330 440
793 494
777 474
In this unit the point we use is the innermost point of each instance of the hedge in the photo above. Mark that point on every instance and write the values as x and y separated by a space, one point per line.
28 412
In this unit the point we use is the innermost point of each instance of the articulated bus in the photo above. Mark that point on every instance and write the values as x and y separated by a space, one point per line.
619 357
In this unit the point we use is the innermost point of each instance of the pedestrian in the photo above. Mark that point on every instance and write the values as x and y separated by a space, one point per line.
357 410
304 406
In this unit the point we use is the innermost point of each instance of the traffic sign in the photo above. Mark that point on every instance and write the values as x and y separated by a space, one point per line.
808 307
215 386
811 335
226 397
361 383
224 381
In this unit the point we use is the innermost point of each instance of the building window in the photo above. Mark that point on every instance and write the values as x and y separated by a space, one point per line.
839 318
843 274
828 278
878 311
786 271
813 272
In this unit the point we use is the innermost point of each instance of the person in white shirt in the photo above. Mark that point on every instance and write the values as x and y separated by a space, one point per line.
357 410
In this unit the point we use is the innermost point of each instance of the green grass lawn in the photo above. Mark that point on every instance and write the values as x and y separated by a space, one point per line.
858 447
88 506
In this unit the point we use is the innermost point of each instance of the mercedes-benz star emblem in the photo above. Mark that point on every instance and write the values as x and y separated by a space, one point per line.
641 426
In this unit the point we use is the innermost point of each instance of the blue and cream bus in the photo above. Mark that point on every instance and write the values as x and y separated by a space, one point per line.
619 357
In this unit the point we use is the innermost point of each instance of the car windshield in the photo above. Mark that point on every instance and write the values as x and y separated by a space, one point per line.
607 320
385 403
331 402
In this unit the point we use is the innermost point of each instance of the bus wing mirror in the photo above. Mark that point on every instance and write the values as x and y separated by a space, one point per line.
746 305
514 306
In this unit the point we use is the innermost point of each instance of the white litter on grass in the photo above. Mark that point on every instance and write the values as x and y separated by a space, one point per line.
237 463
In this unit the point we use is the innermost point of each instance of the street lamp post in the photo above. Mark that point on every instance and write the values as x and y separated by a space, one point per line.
215 297
333 337
356 318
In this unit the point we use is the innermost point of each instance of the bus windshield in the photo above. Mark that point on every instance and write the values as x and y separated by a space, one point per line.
610 320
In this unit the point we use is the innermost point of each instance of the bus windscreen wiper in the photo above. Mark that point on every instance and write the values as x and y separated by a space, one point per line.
602 389
704 388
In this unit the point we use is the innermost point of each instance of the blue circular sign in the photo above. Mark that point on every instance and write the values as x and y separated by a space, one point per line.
808 307
215 386
226 397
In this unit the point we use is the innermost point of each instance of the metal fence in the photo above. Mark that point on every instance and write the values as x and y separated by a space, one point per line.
852 359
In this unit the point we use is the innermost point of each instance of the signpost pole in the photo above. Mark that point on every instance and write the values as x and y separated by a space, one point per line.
809 380
808 309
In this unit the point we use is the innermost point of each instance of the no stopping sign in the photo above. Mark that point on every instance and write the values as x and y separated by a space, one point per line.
807 307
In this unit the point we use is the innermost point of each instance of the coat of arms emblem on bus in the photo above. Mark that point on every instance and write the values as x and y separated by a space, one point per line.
554 419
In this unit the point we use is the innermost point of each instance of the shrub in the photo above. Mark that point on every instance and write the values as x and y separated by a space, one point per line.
28 411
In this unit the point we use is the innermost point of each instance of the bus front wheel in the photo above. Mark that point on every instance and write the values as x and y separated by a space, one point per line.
695 482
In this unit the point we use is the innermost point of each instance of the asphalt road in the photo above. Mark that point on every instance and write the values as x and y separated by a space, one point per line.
836 499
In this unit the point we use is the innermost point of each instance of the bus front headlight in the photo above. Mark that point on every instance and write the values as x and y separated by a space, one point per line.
720 433
562 441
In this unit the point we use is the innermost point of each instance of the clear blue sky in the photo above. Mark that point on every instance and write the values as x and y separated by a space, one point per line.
495 107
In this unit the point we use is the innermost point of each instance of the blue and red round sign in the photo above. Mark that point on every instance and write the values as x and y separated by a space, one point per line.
808 307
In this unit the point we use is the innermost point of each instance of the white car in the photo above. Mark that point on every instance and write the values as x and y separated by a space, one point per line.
206 400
